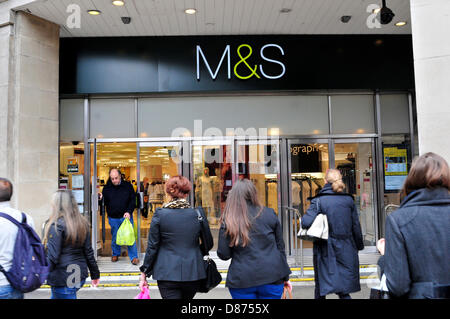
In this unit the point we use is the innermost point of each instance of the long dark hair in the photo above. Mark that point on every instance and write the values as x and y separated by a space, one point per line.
235 216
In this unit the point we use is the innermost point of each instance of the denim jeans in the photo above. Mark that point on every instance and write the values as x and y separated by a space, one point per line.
8 292
65 292
258 292
116 249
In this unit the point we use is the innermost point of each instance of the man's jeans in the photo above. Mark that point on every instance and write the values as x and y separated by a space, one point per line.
8 292
116 249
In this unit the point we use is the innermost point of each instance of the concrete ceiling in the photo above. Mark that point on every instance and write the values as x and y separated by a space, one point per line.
220 17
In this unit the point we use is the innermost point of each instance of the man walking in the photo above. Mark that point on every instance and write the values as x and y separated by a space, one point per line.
120 201
8 234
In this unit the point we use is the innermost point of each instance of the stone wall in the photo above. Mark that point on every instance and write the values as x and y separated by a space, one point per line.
431 46
29 115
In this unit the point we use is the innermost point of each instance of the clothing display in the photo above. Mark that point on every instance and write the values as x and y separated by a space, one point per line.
272 195
296 189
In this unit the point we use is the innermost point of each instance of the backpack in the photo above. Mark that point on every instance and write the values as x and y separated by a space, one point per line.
29 268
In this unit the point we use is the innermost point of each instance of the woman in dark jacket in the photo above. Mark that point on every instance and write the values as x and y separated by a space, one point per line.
69 251
173 256
416 259
251 236
336 262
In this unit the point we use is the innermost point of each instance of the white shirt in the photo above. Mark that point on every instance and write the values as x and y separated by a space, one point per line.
8 234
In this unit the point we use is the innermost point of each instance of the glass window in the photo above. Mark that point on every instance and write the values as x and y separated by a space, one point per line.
394 113
289 114
112 118
352 114
71 122
355 162
71 170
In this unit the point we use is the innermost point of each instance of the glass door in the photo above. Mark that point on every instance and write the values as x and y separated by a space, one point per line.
105 156
158 161
259 162
213 176
354 159
308 161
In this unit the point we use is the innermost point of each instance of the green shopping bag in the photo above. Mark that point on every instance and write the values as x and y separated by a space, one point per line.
125 234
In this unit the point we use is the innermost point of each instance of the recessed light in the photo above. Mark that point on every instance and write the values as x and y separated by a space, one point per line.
190 11
94 12
400 23
118 3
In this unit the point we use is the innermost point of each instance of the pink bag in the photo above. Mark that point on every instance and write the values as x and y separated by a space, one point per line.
143 294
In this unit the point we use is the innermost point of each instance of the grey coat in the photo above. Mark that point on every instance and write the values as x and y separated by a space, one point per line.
173 252
417 250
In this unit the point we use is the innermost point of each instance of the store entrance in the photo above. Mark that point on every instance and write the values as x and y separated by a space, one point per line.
308 161
146 165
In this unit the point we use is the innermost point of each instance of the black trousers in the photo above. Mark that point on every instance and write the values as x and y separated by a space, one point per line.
178 289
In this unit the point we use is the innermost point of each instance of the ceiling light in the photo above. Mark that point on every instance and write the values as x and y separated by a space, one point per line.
94 12
190 11
118 3
400 23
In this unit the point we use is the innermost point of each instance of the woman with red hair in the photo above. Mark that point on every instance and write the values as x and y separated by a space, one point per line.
173 256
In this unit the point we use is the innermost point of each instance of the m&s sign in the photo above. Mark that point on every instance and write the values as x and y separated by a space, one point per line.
245 68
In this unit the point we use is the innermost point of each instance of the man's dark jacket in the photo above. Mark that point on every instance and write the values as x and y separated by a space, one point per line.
119 199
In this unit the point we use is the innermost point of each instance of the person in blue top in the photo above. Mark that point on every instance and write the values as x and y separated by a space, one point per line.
336 262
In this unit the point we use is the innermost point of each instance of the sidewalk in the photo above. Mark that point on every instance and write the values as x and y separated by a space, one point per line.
299 291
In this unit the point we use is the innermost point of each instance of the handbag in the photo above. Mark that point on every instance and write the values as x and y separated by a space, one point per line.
318 229
213 277
381 292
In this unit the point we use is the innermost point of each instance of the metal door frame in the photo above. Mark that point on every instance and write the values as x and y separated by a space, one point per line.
209 141
374 177
290 212
93 201
265 141
180 165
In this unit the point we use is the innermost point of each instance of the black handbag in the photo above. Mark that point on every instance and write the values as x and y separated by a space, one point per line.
213 277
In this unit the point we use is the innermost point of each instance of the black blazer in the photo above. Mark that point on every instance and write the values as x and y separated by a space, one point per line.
61 256
263 260
173 251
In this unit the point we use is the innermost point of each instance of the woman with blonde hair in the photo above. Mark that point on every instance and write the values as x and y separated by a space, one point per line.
251 236
336 262
68 245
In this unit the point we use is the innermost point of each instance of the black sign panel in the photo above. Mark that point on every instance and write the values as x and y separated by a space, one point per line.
235 63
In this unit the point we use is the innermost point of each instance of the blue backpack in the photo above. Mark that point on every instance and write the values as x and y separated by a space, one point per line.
29 268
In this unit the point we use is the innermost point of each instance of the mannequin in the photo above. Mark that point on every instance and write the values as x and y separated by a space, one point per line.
205 185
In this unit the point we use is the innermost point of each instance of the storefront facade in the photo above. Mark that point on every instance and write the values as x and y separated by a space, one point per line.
279 110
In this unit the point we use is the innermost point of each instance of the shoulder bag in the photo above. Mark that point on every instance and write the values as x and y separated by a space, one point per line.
213 277
318 229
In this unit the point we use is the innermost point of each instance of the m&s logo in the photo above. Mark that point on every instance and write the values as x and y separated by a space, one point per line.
244 69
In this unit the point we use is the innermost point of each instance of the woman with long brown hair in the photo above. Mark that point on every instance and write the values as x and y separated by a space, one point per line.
416 254
251 236
68 245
